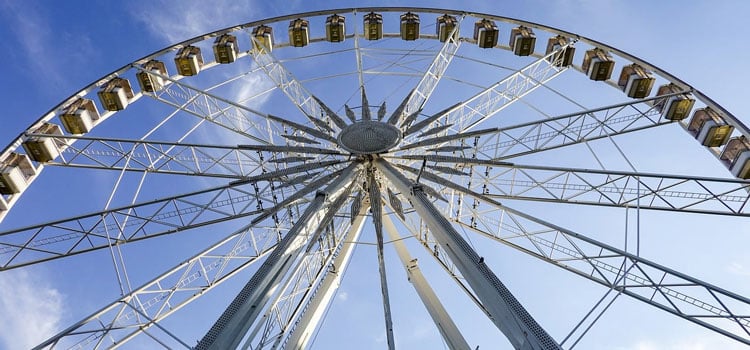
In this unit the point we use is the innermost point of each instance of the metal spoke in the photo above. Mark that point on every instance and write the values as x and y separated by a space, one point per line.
177 158
500 95
505 311
306 102
429 81
503 180
220 111
697 301
62 238
229 330
565 130
146 306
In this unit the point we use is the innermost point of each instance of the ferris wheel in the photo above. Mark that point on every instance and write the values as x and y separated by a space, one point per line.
244 167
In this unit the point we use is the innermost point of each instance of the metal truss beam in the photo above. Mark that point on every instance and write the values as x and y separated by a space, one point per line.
498 96
429 81
217 110
302 330
148 305
358 58
62 238
448 329
301 284
421 233
376 207
232 326
710 306
245 121
502 180
305 101
565 130
505 311
180 158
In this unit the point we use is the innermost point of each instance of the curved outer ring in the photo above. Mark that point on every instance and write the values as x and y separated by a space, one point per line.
730 118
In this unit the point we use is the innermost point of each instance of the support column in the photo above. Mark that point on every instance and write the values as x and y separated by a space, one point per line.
504 309
440 316
230 328
376 207
310 320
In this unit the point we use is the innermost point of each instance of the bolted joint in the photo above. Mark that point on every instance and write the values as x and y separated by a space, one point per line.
417 188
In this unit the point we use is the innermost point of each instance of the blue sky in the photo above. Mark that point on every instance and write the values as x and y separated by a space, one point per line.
52 49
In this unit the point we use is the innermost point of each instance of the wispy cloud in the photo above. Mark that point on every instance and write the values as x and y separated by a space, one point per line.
174 22
34 35
32 309
738 269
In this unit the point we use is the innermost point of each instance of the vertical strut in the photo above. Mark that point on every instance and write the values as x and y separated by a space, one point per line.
376 206
440 316
505 311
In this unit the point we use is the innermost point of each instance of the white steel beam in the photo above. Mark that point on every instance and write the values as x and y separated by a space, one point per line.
541 135
220 111
62 238
680 193
715 308
303 330
500 95
178 158
258 126
376 207
505 311
429 81
305 101
230 328
443 321
299 285
148 305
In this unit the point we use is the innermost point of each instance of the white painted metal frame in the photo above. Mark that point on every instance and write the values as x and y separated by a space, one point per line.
448 329
231 327
302 283
179 158
308 104
654 284
426 86
498 96
141 310
503 180
302 330
505 311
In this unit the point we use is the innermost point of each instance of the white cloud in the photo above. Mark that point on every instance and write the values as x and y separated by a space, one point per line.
738 269
175 22
34 35
32 309
343 296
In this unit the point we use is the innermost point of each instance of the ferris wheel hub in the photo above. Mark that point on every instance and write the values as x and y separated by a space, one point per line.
369 137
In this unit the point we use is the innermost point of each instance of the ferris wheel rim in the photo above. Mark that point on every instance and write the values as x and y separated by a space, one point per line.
88 89
115 73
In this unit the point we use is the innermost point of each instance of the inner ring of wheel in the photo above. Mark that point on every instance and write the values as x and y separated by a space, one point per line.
369 137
